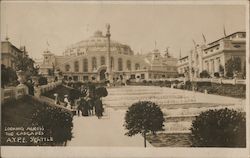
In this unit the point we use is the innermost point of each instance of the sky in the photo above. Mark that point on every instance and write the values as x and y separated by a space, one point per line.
142 26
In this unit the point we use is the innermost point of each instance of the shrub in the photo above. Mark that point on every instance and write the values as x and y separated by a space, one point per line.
188 85
216 74
229 74
42 80
204 74
143 117
56 122
219 128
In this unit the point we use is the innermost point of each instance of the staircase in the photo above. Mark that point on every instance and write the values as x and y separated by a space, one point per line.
179 106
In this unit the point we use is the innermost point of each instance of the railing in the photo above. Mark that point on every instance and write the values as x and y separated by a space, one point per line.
13 93
213 80
22 90
45 88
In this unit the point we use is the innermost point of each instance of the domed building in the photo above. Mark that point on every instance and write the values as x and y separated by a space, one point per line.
104 59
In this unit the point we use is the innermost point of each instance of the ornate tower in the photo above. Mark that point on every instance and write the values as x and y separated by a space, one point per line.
109 74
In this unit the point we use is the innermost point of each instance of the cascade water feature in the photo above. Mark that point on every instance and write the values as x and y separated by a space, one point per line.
179 106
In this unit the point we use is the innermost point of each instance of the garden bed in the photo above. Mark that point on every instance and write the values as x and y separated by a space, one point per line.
237 91
169 140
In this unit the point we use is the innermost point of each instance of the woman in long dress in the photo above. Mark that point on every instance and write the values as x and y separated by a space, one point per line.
84 107
98 107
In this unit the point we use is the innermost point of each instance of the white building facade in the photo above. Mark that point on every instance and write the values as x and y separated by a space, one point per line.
89 58
212 56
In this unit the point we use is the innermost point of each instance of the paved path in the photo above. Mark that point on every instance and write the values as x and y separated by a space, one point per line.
108 131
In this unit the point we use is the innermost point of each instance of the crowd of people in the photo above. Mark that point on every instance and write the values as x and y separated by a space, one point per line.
86 103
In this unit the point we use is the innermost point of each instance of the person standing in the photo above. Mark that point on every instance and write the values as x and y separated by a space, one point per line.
30 86
84 107
57 102
66 100
78 106
98 107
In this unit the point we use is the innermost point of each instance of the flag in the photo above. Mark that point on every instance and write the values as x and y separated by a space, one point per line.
204 38
224 30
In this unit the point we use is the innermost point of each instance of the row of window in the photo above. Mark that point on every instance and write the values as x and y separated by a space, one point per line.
99 48
103 62
213 66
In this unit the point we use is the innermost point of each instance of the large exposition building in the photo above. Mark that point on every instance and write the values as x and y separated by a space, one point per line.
101 58
10 53
212 56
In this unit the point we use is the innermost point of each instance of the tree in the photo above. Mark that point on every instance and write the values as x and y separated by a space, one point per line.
8 76
232 66
143 117
219 128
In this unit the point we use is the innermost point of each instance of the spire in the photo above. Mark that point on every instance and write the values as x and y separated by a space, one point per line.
194 43
180 54
204 38
155 44
224 30
47 43
7 38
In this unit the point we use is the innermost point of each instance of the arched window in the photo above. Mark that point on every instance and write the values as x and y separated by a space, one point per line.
94 63
76 65
128 64
120 67
67 67
102 60
85 65
137 66
112 63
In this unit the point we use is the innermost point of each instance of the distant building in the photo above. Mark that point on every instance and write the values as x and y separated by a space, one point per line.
89 58
10 53
212 56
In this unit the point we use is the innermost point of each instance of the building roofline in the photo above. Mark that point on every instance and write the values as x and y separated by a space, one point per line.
183 57
226 37
211 47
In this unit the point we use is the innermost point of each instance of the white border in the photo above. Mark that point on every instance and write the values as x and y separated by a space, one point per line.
142 152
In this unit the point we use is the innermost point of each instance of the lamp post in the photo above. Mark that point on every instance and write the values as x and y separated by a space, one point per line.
109 74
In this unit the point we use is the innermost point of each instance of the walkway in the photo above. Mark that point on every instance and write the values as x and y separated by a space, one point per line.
108 131
178 106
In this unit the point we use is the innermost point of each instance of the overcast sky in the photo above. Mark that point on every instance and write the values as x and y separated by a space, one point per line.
137 24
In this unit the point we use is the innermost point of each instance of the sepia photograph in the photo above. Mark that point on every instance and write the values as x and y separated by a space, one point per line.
124 78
